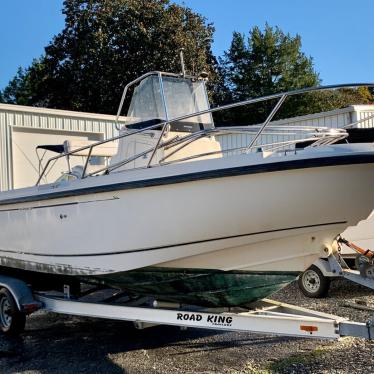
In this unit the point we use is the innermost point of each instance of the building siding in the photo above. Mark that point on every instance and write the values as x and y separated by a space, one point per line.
332 119
48 119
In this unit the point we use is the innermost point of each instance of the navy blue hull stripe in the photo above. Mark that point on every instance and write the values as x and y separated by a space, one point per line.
354 159
177 245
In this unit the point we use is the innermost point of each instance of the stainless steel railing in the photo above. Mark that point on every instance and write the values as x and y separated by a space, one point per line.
323 137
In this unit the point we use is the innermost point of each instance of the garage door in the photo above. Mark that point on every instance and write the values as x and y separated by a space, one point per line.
26 164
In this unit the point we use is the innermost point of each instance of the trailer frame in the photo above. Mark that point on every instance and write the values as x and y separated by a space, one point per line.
264 317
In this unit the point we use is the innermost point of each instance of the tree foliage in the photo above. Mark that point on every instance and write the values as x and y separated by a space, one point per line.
322 101
268 62
107 43
23 88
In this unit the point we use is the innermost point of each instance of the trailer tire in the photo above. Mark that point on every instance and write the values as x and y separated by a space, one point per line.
12 320
313 283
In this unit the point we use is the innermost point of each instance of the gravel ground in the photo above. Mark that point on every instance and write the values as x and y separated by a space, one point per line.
62 344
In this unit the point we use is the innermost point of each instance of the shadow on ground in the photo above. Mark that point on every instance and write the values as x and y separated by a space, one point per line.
60 344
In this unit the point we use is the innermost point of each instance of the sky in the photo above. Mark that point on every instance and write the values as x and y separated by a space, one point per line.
338 34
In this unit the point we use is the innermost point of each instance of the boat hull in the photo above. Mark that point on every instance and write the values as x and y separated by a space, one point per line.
198 286
224 215
202 287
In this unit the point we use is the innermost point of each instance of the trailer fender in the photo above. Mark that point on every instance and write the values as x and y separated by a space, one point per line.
21 293
324 266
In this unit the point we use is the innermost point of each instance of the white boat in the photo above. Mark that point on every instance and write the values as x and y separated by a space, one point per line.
174 217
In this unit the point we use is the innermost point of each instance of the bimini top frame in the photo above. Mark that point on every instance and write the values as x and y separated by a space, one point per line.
316 136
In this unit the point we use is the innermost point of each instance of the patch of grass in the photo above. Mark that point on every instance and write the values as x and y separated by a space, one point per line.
295 360
252 368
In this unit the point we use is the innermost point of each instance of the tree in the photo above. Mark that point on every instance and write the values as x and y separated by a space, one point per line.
323 101
107 43
22 88
269 62
266 62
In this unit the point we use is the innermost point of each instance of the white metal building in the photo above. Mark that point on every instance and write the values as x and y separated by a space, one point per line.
23 128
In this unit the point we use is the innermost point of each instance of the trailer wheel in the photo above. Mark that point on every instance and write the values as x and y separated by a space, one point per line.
313 283
12 321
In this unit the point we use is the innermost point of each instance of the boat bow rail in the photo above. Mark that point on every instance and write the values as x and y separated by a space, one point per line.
302 134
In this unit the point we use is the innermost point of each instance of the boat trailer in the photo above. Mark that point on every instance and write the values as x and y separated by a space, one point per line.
266 316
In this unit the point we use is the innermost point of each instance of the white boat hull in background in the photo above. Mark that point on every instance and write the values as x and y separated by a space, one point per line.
361 235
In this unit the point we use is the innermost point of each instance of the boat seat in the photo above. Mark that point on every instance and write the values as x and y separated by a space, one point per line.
103 150
77 171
